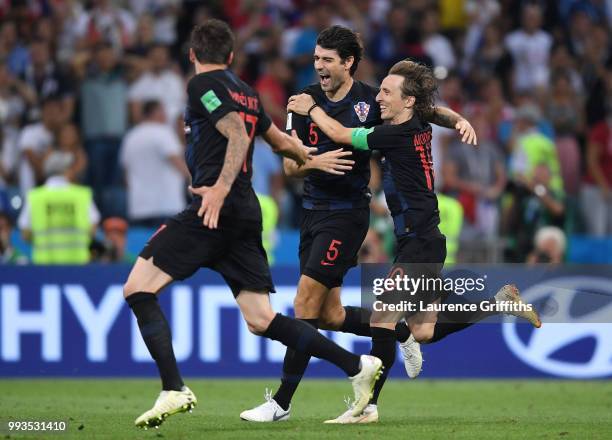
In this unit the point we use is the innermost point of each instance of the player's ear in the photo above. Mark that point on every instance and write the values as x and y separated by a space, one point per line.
192 57
348 62
230 58
409 101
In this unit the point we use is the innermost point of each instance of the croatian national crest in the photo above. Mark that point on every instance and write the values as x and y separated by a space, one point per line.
362 109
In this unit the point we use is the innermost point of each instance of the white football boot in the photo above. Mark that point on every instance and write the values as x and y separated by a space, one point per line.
168 403
269 411
413 359
363 382
369 415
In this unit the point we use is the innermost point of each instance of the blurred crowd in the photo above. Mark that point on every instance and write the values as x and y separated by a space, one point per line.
92 92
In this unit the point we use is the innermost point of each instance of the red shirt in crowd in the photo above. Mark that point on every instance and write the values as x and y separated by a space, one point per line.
601 138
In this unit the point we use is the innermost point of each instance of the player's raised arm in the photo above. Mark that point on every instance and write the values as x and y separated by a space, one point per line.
445 117
304 105
232 127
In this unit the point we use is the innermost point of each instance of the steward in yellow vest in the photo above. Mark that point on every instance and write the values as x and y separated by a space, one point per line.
59 218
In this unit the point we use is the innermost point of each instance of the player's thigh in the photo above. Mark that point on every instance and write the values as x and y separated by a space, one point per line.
145 277
183 245
336 239
332 313
256 310
244 264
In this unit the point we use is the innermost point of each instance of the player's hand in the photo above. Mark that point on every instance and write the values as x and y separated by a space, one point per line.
212 202
297 150
465 129
333 162
300 104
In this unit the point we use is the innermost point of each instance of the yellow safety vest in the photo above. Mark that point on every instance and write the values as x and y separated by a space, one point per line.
451 222
60 224
269 218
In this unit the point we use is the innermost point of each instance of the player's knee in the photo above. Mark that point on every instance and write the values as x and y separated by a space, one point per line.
258 324
331 318
422 333
306 306
129 288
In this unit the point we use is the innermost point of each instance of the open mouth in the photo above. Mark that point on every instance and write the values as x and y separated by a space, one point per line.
325 80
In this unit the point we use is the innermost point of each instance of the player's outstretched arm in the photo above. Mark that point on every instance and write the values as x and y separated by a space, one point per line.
232 127
445 117
287 146
304 105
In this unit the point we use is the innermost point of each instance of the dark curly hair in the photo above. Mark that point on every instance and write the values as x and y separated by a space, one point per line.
212 41
344 41
420 82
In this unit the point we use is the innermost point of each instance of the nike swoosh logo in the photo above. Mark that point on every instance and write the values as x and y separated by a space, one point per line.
325 263
276 417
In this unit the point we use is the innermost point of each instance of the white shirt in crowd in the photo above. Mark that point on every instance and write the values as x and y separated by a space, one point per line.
166 87
38 139
24 222
155 187
440 50
530 53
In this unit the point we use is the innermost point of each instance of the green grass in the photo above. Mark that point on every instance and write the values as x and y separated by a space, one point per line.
106 409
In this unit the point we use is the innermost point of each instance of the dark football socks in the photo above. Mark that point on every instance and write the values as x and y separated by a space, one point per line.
452 322
384 347
294 365
357 322
303 337
156 334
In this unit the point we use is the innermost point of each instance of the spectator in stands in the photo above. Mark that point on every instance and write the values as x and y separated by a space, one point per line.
35 141
530 148
8 253
596 193
105 22
565 111
272 89
104 120
436 45
387 45
156 173
14 97
68 140
59 218
45 78
535 203
160 83
12 50
477 178
530 48
115 237
549 246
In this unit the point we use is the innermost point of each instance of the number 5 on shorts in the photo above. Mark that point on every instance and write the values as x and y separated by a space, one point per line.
332 253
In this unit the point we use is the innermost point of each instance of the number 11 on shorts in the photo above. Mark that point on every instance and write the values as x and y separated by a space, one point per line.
332 253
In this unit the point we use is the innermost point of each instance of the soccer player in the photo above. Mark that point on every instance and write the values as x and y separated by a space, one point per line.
335 217
223 115
406 100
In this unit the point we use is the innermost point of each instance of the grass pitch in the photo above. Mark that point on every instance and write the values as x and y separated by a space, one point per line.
421 409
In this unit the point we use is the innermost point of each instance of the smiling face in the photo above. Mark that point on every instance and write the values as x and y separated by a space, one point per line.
393 106
333 73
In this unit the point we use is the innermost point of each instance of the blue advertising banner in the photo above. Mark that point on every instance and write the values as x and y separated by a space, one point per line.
67 321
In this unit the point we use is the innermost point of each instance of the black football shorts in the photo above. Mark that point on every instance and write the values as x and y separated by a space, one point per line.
182 245
330 243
